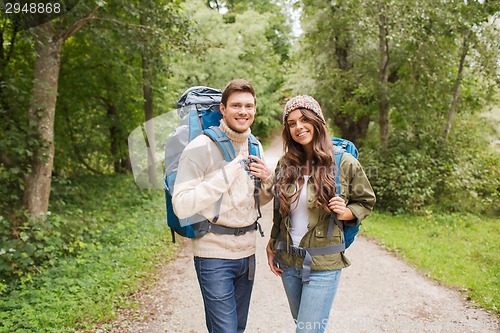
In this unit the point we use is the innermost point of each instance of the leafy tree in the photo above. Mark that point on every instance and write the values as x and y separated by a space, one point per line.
102 89
99 100
48 40
472 26
404 70
240 47
334 61
16 143
127 49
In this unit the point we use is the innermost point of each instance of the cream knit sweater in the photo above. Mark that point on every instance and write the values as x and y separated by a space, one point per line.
203 178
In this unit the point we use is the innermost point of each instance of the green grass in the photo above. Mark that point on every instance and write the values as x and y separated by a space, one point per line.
106 238
118 238
460 251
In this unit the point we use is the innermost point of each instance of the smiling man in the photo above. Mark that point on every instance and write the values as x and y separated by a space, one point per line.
223 193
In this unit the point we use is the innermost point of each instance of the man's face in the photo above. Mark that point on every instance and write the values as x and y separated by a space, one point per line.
239 112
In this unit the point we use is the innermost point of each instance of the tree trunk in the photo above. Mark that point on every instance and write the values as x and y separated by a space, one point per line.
48 46
148 113
41 114
114 135
351 129
383 78
456 92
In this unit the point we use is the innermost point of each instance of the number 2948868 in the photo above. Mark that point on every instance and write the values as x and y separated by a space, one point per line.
32 8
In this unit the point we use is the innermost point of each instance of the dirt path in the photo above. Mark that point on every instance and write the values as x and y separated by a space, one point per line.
378 293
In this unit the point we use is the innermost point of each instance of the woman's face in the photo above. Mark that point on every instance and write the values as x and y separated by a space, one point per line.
301 130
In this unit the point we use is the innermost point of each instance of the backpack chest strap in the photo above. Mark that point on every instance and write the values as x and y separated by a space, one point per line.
307 254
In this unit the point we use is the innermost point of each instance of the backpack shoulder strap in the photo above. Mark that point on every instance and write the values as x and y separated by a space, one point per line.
254 146
338 152
222 141
254 149
225 145
227 149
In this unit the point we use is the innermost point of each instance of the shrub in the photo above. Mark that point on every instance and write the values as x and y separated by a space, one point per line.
404 183
71 269
414 179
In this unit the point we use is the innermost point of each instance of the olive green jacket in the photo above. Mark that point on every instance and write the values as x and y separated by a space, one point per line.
360 198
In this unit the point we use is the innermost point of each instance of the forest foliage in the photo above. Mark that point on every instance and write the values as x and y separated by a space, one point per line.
415 84
407 82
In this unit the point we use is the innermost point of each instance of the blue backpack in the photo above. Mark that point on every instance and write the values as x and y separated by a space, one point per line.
199 109
340 146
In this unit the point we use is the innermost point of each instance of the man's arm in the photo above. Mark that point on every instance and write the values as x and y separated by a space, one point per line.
194 189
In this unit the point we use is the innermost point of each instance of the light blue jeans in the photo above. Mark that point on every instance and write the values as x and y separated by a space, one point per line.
310 303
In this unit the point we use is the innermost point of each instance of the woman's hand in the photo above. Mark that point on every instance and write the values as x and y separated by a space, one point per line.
270 259
337 205
258 168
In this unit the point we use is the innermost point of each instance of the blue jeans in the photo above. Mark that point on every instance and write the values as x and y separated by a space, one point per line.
310 303
226 292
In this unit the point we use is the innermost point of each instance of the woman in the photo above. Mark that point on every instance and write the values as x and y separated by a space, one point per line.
306 247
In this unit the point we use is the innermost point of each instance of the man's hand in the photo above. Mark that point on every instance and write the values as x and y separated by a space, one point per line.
258 168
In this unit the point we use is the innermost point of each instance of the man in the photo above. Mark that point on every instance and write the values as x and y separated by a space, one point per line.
205 184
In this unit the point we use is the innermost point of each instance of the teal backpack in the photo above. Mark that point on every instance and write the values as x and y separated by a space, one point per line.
340 146
199 109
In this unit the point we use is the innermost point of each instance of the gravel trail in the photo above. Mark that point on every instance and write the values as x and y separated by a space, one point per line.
377 293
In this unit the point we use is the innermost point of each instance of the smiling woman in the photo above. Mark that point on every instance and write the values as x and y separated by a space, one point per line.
312 213
301 129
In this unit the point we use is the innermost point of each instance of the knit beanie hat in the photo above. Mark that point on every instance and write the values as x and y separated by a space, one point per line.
303 102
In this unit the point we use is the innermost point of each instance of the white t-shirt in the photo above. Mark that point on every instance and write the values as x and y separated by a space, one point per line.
298 215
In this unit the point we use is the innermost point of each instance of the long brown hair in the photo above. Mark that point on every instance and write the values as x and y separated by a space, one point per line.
294 163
